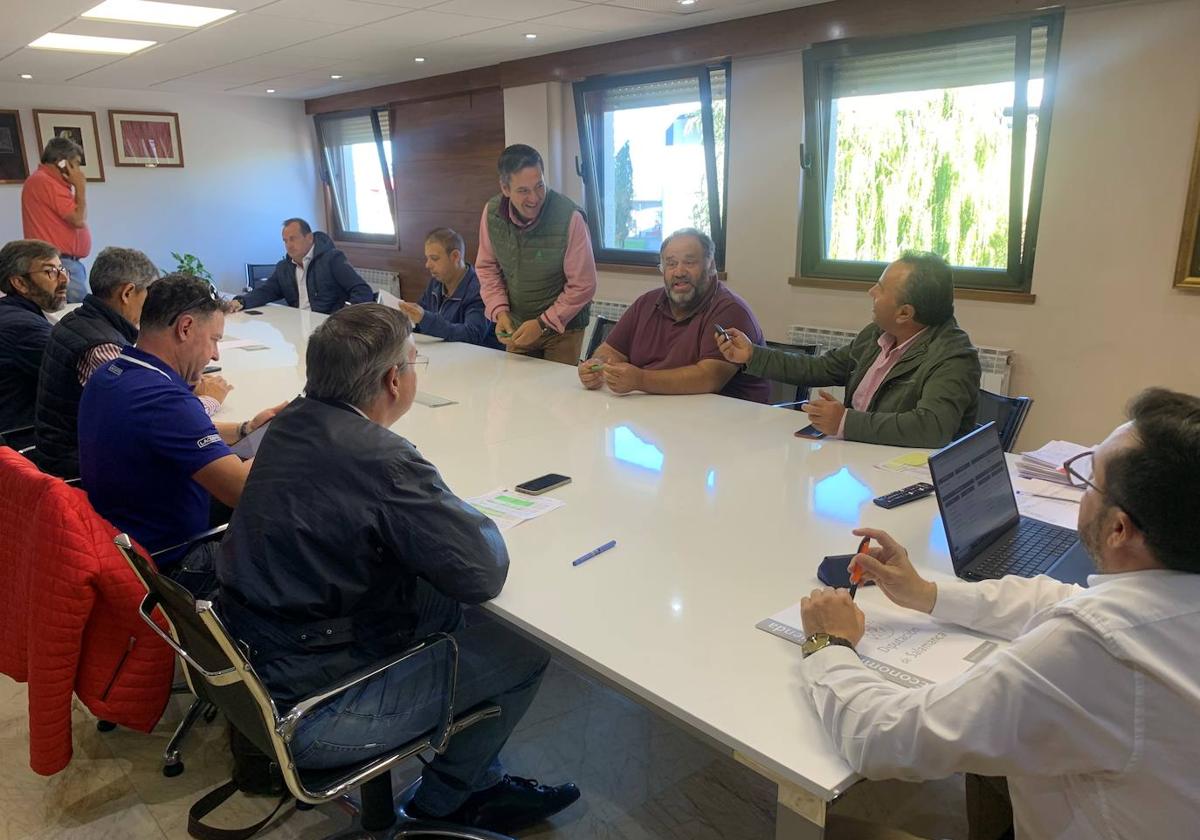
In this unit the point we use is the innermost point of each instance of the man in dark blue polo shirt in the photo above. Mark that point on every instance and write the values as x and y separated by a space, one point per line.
150 458
451 307
34 282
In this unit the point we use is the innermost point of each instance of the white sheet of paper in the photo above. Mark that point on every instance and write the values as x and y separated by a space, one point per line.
240 344
509 509
904 646
387 299
1047 501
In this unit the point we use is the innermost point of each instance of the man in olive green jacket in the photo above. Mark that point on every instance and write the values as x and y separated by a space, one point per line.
911 377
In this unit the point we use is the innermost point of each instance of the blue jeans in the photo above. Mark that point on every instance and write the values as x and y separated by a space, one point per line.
496 665
77 282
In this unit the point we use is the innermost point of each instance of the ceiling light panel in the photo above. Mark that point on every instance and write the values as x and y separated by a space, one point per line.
89 44
158 14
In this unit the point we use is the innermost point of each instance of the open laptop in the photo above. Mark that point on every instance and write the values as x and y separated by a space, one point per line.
988 537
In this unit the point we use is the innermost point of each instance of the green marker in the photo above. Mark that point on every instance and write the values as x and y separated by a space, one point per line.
597 367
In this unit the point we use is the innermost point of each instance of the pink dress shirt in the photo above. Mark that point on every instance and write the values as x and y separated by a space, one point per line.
578 265
889 353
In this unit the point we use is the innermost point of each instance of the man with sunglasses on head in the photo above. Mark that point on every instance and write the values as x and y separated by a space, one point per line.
1091 710
34 282
150 458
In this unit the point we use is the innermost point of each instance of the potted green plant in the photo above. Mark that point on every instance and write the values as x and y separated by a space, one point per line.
190 264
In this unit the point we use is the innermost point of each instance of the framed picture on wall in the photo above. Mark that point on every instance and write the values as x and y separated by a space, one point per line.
1187 267
146 138
79 126
14 167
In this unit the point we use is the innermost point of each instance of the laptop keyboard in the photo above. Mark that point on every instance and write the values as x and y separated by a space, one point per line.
1030 550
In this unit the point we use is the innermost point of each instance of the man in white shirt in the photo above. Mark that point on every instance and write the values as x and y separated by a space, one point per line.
1091 711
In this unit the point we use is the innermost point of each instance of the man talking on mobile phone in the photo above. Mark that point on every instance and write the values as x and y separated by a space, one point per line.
54 210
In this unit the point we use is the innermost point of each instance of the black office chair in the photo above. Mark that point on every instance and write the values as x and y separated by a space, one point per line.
784 395
599 333
257 274
220 670
21 439
1008 413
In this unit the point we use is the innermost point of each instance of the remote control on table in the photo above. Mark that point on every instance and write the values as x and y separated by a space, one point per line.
905 495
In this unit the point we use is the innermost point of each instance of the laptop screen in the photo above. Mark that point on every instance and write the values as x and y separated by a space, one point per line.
974 493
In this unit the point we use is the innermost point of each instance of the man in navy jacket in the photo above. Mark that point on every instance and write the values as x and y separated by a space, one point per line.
451 307
314 275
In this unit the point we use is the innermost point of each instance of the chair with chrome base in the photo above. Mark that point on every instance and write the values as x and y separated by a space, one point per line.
215 659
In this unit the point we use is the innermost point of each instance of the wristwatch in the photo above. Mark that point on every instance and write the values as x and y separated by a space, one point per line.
820 641
546 328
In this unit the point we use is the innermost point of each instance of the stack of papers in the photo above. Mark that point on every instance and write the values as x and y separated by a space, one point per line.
906 647
1047 463
508 509
910 462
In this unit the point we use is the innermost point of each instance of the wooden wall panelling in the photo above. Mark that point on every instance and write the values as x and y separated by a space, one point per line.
444 159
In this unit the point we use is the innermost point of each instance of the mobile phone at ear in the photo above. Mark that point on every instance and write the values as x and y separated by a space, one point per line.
810 431
543 483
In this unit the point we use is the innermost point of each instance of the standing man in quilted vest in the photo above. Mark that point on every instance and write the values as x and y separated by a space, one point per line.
535 264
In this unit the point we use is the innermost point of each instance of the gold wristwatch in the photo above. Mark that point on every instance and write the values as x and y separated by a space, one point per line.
820 641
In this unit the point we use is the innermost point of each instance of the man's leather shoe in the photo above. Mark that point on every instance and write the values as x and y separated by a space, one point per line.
509 805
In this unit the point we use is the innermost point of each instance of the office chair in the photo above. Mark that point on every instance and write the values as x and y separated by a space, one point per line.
600 331
784 395
21 439
1008 413
257 274
224 675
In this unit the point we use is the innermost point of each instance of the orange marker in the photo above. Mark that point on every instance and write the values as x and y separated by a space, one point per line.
856 572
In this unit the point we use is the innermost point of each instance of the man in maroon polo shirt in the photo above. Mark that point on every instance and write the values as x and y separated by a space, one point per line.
665 343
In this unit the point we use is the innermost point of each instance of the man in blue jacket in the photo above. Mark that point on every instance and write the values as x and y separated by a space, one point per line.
314 275
451 307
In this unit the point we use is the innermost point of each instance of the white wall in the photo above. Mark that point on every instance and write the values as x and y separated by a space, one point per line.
1106 322
248 164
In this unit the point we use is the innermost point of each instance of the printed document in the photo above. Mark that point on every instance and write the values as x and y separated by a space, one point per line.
508 509
907 647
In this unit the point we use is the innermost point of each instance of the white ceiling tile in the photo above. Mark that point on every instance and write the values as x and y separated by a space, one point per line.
509 9
50 65
513 35
608 18
345 12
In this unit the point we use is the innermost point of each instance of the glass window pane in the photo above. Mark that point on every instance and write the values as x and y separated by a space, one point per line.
718 80
649 161
352 158
927 168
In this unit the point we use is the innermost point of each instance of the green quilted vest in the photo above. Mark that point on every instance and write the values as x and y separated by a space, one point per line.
532 258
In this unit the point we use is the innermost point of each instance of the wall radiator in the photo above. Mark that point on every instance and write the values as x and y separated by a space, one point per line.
378 279
996 363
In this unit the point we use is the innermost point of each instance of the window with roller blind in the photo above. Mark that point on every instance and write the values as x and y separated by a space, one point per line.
935 142
356 165
654 159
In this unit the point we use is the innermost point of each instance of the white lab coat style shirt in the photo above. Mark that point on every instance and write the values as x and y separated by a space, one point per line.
1093 711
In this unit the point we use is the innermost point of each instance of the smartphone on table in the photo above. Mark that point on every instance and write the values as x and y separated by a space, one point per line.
811 432
542 484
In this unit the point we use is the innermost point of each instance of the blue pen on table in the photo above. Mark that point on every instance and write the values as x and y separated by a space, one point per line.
594 552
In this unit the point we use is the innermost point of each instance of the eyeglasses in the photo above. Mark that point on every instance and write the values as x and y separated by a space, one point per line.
418 359
213 296
671 265
1079 474
52 272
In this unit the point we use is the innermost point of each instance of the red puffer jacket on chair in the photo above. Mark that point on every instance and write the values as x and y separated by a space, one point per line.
69 618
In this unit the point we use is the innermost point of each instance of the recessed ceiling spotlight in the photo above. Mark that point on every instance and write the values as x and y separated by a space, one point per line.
419 59
687 2
335 76
270 90
530 35
26 75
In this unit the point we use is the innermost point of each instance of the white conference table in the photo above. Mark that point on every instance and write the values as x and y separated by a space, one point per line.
720 514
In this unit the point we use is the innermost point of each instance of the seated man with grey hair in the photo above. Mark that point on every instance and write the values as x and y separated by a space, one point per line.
34 282
911 376
666 342
91 336
346 549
